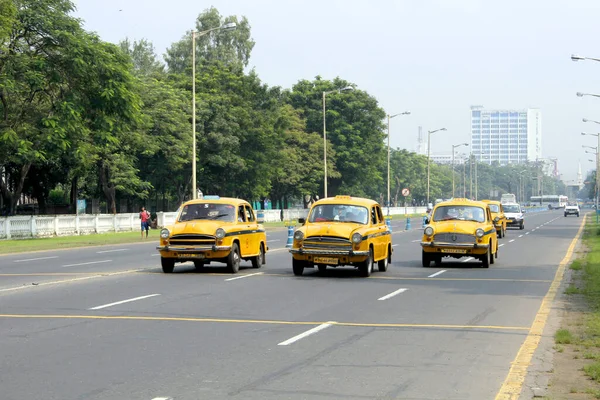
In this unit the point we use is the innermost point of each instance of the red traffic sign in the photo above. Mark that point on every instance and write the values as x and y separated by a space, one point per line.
405 192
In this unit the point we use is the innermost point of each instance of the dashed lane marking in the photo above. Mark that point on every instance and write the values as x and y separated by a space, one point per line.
86 263
437 273
468 259
307 333
512 240
513 384
111 251
266 322
500 245
244 276
389 296
35 259
116 303
520 236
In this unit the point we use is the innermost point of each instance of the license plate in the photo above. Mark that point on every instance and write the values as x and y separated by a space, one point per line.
326 260
509 221
459 251
191 255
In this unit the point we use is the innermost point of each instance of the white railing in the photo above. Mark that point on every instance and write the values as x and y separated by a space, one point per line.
68 225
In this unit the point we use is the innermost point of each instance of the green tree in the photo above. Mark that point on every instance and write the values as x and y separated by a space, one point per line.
355 129
225 46
142 56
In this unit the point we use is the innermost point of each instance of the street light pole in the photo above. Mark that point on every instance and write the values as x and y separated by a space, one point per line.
227 27
597 165
454 146
388 157
429 157
325 136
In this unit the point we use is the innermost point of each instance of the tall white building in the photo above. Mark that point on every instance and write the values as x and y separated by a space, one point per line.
506 136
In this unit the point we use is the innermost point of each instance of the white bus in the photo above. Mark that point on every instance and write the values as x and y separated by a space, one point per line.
552 201
508 198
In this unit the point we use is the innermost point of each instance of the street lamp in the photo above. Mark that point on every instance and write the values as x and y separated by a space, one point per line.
590 120
597 181
454 146
226 27
429 155
577 57
388 157
325 136
580 94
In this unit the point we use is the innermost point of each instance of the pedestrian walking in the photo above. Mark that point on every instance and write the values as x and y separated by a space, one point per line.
145 218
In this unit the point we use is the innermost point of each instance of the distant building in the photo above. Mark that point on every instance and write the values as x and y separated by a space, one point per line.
506 136
447 159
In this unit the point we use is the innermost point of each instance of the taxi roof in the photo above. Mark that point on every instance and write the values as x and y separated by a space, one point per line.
492 201
462 202
219 200
349 200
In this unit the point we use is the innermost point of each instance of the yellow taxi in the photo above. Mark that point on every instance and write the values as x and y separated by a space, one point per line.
342 230
215 229
460 228
498 216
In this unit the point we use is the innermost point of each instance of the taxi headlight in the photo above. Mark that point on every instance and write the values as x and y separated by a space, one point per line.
164 233
429 231
356 238
220 233
479 233
298 235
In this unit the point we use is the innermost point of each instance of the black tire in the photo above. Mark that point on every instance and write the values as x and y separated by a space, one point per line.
577 215
298 267
522 226
259 260
438 261
425 259
366 267
493 255
168 264
565 215
233 259
322 268
382 265
485 259
199 265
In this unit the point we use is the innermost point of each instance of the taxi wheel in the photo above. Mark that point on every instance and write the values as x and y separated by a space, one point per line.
233 260
366 267
425 259
384 264
298 267
493 256
438 261
259 260
485 260
322 268
168 264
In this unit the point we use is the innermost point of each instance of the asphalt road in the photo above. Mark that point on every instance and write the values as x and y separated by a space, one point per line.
106 323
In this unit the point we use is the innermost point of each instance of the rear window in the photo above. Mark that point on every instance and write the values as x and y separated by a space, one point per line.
494 208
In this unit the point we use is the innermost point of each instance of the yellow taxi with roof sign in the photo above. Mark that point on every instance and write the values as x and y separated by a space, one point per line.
498 216
342 230
215 229
460 228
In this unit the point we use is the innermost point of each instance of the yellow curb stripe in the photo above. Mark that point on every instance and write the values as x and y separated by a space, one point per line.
513 384
255 321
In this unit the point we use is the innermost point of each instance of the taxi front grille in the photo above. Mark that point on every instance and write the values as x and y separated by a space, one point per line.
192 240
454 238
327 242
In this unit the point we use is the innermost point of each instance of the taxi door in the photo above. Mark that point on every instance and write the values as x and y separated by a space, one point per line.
376 232
252 225
243 236
383 238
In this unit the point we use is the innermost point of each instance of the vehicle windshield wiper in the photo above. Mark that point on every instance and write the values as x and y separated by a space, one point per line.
219 216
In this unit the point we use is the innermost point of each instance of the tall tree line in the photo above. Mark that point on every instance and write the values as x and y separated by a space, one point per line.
88 119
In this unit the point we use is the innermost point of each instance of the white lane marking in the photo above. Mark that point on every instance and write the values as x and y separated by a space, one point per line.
274 240
123 301
520 236
389 296
437 273
307 333
468 259
35 259
533 230
244 276
415 241
527 233
86 263
512 240
162 398
110 251
155 255
500 245
537 227
394 245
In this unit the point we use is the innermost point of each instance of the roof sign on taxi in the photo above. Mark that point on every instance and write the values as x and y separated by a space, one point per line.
213 197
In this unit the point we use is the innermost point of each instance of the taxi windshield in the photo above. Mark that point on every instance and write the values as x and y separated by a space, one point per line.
459 212
207 211
494 208
512 208
339 213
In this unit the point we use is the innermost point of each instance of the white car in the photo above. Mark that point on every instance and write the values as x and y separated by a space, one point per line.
572 209
514 215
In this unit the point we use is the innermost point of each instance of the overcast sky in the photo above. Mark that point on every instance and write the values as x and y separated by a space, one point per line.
435 58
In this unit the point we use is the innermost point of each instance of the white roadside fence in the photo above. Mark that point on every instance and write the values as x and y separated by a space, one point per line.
20 227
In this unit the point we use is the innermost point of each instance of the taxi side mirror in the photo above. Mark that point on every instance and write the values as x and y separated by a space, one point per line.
496 219
301 220
523 211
